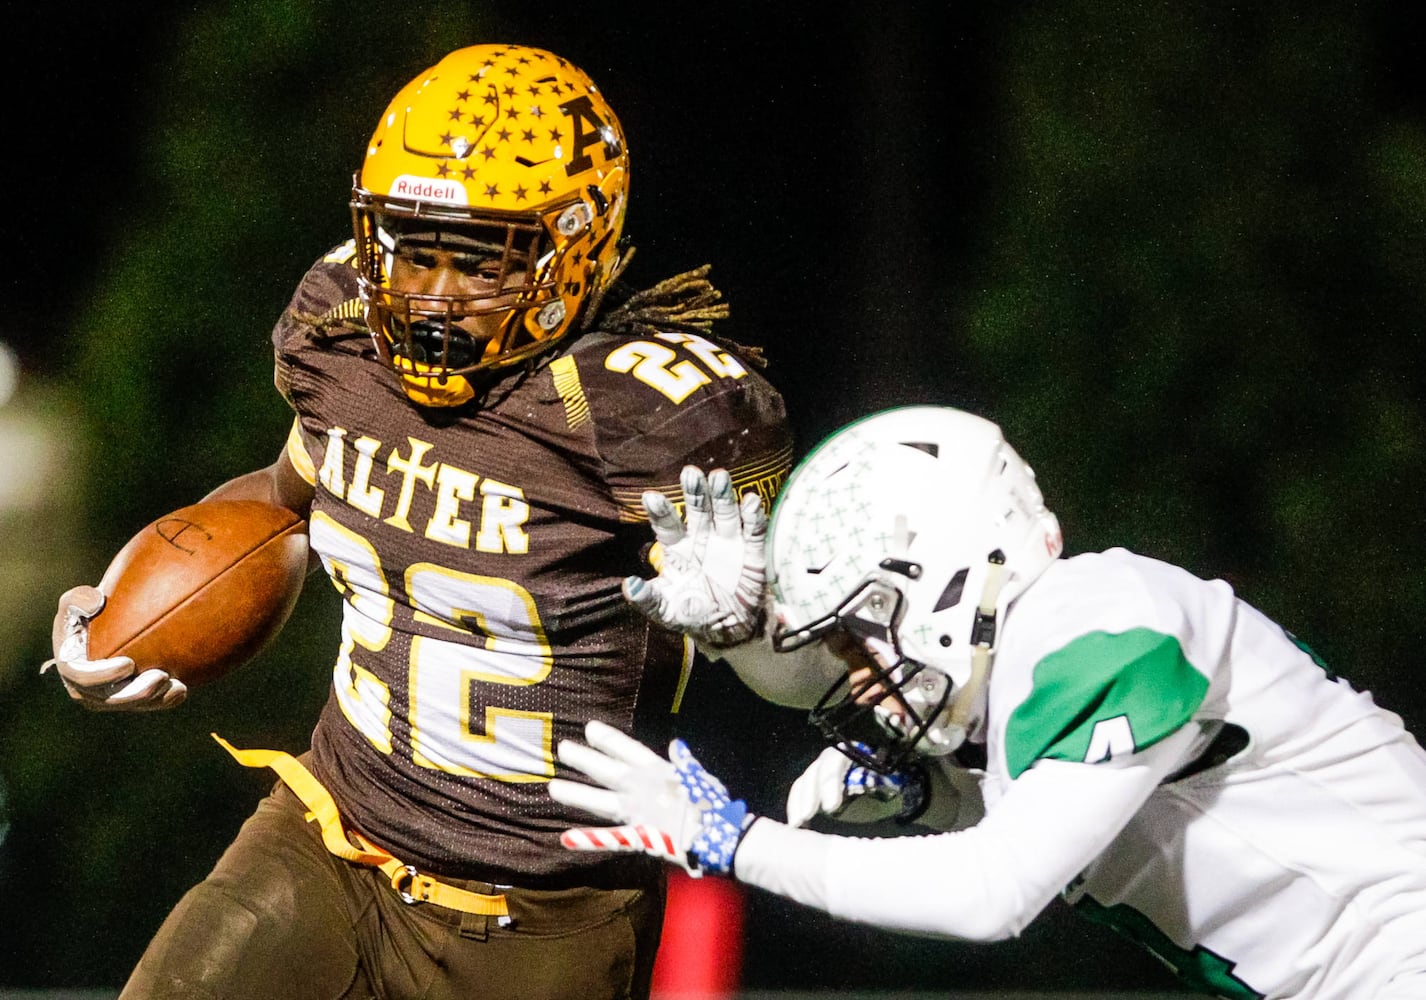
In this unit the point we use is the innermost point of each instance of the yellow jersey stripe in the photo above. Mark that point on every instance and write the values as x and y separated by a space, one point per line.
298 456
571 390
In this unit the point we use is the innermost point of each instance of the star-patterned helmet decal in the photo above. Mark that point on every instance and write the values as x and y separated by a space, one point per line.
508 124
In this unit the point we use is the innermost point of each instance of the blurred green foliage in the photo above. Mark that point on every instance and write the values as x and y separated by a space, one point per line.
1198 305
1177 252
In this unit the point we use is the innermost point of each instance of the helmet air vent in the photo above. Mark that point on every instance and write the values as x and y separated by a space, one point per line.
951 596
929 447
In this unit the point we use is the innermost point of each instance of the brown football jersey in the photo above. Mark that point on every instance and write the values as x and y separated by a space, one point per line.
479 553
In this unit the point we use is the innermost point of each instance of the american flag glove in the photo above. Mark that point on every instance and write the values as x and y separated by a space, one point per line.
672 809
722 818
712 562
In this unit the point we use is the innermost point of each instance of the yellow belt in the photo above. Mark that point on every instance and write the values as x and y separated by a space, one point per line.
410 884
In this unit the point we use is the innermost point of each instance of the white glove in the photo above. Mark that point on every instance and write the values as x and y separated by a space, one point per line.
672 809
836 786
108 685
710 582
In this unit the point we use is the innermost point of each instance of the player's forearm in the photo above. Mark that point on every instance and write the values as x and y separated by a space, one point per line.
278 483
794 680
938 885
985 883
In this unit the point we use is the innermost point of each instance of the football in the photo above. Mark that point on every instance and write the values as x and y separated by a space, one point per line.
202 590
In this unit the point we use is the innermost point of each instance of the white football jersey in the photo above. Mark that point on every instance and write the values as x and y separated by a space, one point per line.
1294 868
1178 767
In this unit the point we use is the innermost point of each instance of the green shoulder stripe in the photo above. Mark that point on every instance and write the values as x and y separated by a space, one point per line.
1101 696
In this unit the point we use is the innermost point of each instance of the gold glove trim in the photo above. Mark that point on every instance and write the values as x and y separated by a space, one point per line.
412 885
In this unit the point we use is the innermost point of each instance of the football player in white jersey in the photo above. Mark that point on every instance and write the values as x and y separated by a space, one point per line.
1174 763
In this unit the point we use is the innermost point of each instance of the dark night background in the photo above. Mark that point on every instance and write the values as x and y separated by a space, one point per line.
1176 250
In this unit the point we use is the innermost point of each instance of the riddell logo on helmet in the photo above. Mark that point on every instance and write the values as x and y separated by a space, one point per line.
428 189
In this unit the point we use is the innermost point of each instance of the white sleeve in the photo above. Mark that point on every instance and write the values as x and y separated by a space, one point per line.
984 883
797 679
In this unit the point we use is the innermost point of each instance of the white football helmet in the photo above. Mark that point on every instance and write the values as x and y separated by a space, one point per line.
912 529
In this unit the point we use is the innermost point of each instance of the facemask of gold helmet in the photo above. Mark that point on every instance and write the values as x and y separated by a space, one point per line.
487 213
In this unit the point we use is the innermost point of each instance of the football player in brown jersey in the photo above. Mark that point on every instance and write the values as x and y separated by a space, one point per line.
479 409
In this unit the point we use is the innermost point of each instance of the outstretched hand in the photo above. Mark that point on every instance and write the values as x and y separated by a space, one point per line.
834 785
111 684
714 562
672 809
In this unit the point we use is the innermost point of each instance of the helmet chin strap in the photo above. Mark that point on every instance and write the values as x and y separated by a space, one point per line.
982 634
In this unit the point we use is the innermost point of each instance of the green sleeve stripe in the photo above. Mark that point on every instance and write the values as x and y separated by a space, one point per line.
1103 695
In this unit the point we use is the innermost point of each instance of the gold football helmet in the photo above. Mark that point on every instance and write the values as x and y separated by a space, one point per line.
510 158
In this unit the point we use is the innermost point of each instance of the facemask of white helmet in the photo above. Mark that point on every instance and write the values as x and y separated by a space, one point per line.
889 708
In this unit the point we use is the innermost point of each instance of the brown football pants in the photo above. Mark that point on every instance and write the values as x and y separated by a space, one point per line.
279 918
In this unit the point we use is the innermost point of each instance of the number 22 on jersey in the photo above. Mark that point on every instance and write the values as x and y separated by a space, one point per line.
659 367
510 649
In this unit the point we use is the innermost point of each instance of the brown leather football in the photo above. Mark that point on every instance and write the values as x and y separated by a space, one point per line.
202 590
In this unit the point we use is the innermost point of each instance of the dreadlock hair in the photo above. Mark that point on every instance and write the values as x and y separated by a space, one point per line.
686 303
348 317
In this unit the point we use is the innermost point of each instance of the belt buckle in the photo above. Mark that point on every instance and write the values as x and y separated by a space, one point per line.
405 876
